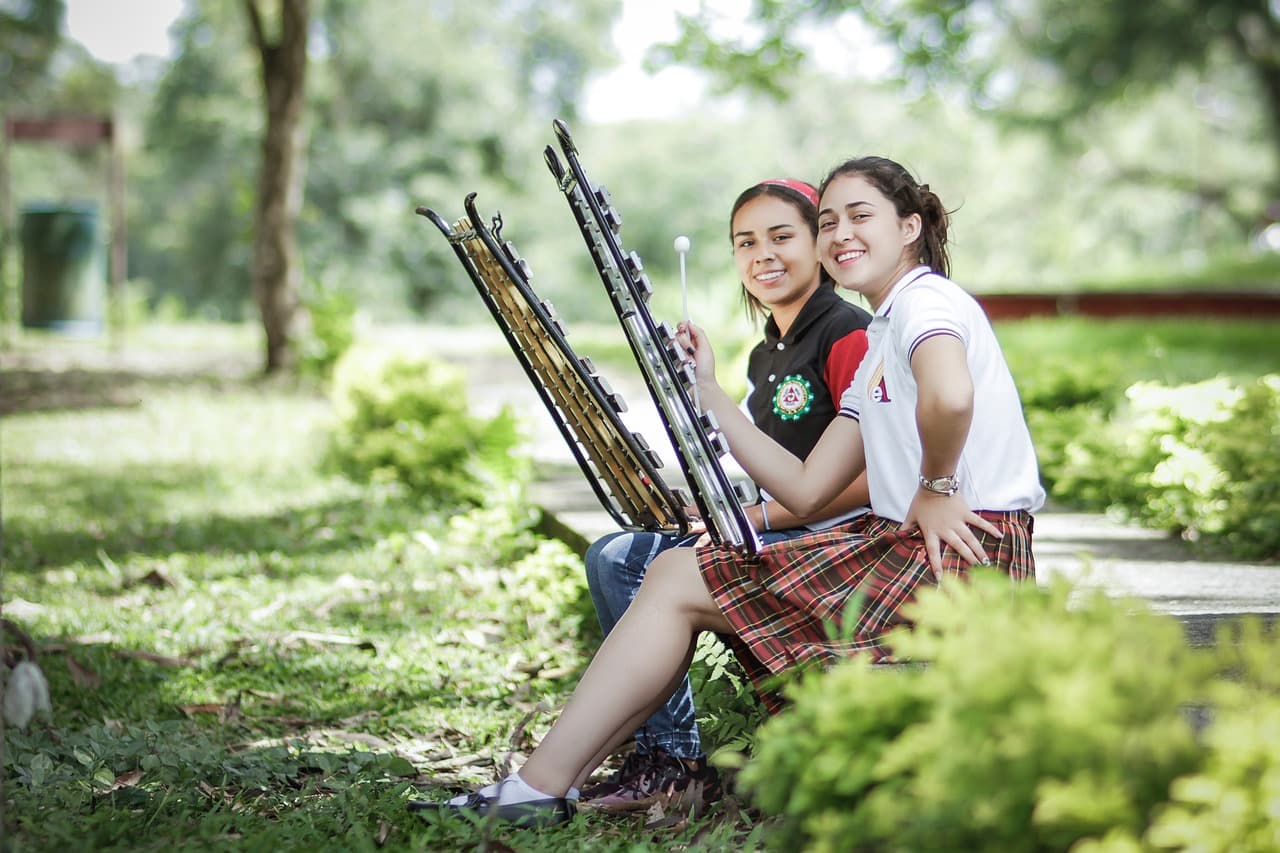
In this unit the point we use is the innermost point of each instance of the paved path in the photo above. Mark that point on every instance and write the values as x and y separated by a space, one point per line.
1090 549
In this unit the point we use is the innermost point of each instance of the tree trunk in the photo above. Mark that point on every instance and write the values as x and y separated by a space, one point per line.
275 266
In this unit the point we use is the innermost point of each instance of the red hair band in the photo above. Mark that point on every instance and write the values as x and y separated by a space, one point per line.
805 189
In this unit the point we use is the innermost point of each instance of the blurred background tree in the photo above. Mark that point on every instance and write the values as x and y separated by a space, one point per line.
1058 67
30 33
1096 140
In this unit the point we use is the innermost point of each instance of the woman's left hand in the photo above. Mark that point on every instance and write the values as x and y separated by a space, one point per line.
947 520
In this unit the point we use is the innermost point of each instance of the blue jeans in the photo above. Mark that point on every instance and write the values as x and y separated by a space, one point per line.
616 565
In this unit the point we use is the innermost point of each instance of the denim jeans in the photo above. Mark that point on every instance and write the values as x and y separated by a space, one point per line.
616 565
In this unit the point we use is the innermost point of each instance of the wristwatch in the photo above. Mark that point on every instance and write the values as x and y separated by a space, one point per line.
940 485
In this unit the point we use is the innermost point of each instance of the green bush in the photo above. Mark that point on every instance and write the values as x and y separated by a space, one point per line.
1231 804
331 329
1032 725
729 711
1201 460
1243 501
405 419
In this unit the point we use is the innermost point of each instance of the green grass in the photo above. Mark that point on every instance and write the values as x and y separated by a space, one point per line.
285 657
246 653
1131 350
1252 272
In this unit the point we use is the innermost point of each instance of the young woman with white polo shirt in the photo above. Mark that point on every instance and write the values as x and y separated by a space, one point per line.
933 418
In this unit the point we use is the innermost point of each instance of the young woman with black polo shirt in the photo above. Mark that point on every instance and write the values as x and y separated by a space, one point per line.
813 342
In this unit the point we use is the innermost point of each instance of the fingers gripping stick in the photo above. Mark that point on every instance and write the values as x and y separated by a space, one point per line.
682 249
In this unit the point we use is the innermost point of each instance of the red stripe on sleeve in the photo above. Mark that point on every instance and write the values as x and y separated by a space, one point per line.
842 362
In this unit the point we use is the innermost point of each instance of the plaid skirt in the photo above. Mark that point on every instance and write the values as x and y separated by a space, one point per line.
788 603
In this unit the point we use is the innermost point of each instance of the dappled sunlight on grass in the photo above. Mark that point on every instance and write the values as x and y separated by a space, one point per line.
242 646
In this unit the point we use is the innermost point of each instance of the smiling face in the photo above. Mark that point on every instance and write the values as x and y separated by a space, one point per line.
774 251
863 243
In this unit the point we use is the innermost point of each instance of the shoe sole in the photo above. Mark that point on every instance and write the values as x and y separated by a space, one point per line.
620 808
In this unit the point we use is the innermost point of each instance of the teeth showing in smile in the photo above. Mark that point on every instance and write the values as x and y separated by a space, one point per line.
766 277
849 256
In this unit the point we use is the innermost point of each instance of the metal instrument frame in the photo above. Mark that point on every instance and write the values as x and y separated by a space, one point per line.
621 469
695 437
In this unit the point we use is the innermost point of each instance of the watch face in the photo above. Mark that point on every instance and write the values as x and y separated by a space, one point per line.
941 485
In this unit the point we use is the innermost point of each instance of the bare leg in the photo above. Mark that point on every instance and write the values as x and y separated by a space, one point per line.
628 730
636 669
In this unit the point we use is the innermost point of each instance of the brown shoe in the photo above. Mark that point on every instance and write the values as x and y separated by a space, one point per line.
665 778
632 766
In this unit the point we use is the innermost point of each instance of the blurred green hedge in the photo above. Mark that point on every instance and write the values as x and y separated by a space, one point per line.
1041 720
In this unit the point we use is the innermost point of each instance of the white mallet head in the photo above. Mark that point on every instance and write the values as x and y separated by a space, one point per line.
682 244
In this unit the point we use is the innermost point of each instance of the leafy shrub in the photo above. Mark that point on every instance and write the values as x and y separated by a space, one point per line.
1202 460
1056 434
405 419
1244 499
1032 726
1052 384
1064 399
331 329
493 557
1228 805
729 711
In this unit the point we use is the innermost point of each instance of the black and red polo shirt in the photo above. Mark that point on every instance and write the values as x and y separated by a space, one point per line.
795 381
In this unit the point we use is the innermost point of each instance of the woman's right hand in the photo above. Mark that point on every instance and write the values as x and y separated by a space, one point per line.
696 348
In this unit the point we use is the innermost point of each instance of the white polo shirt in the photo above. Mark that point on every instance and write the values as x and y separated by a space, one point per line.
997 468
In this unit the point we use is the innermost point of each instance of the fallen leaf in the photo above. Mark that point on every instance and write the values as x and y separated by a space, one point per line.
153 657
481 638
384 829
289 722
317 638
20 608
230 712
460 761
155 577
363 716
125 780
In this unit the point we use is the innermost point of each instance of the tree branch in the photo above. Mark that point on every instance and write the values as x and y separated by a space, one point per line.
255 24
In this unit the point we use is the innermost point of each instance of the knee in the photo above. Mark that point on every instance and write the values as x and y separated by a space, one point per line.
603 558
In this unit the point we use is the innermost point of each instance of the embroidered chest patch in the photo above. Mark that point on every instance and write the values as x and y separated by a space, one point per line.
793 398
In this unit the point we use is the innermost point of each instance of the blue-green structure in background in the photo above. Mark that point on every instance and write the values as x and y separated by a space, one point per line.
63 268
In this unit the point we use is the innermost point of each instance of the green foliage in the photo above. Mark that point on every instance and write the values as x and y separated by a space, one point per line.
1075 63
1032 725
194 183
1175 450
332 329
29 39
729 711
1198 459
404 419
1227 804
245 653
1245 496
